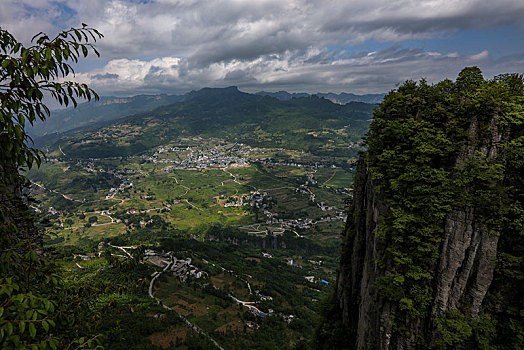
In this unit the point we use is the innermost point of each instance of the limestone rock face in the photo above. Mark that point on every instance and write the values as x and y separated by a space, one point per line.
359 271
462 275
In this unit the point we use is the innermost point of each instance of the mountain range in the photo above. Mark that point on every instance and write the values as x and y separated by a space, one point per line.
311 123
340 99
108 108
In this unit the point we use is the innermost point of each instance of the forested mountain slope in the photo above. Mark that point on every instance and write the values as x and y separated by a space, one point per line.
108 108
433 248
112 108
309 123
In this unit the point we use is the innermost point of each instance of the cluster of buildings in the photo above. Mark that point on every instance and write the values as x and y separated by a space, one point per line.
220 156
255 199
262 297
291 263
180 268
313 165
125 185
305 190
53 211
314 279
202 158
258 199
119 174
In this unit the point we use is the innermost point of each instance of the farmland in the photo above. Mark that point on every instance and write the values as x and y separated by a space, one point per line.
259 223
188 188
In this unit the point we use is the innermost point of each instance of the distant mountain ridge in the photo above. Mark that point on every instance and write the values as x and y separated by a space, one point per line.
306 123
283 95
90 114
111 108
340 99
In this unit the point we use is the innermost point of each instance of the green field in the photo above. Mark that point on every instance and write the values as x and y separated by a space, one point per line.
287 202
183 199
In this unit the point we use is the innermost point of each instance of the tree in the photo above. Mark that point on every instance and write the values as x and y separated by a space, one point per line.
435 153
26 75
29 283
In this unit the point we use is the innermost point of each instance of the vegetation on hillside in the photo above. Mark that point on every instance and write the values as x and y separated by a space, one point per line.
311 124
418 157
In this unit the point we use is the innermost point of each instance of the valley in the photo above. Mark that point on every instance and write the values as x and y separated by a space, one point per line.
257 224
248 192
193 184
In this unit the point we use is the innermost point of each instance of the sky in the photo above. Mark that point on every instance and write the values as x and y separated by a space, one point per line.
358 46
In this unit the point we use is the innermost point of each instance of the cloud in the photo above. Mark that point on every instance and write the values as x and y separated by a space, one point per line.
364 73
296 44
105 76
481 55
222 30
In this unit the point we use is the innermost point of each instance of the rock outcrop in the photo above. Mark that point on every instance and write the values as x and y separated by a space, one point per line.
388 296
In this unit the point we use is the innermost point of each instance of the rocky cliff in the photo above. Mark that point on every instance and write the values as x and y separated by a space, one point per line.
432 253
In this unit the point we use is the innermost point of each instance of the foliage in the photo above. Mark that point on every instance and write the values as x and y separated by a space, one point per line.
330 333
26 75
30 303
427 156
454 329
417 134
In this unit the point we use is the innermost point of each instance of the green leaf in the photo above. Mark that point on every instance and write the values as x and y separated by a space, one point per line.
22 327
18 132
25 53
32 330
45 325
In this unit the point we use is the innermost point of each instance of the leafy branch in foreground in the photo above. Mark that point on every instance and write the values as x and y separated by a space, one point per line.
27 74
31 290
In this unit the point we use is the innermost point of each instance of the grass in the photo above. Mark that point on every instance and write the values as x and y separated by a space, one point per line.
337 178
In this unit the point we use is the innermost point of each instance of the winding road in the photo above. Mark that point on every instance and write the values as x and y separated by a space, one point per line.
159 302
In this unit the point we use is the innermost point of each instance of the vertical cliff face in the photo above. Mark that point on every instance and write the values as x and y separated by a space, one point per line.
435 233
361 313
469 246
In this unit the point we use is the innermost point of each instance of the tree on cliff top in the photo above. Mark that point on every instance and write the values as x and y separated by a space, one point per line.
433 251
